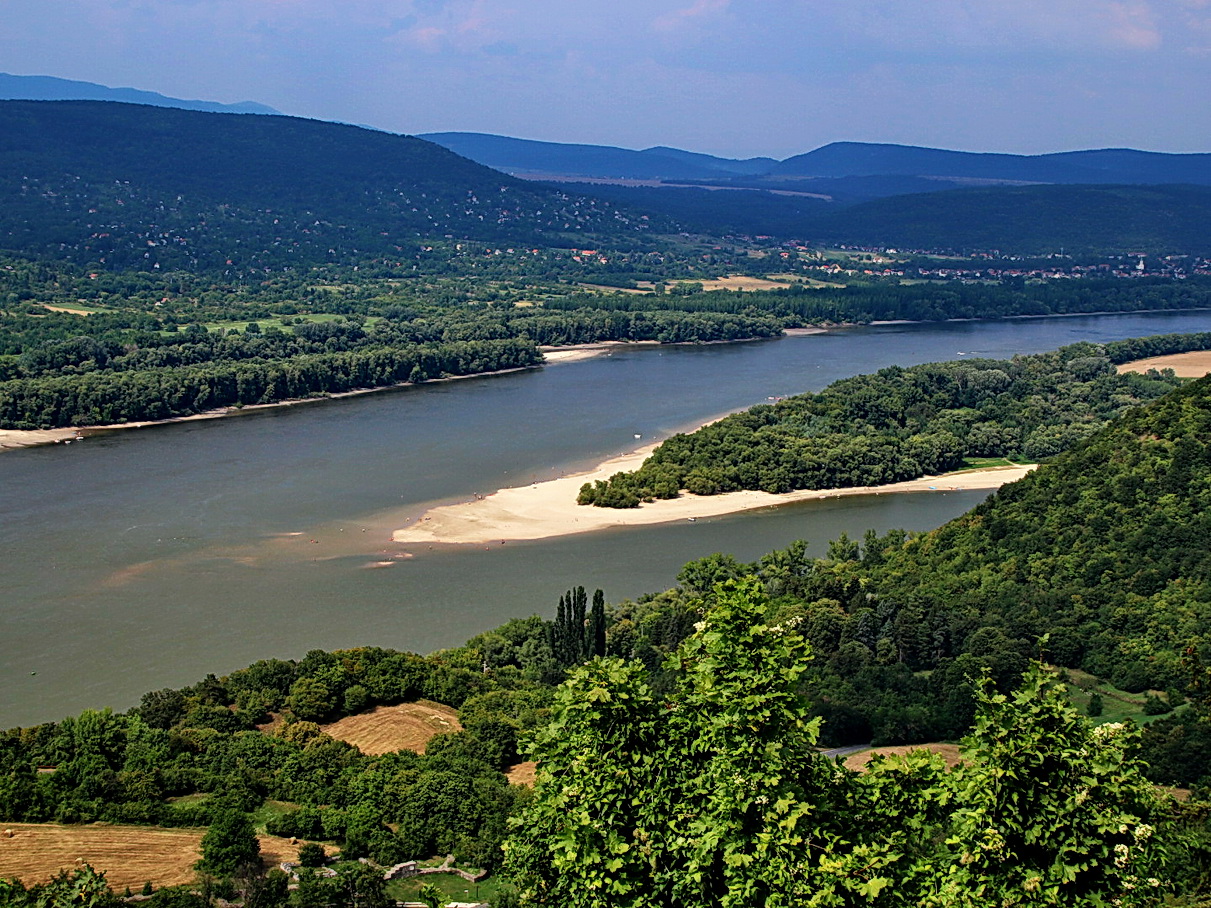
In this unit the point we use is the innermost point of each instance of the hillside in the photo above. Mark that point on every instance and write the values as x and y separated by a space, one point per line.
593 161
1031 220
124 185
1105 549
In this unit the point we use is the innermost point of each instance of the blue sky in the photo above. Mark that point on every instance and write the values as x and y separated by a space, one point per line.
731 77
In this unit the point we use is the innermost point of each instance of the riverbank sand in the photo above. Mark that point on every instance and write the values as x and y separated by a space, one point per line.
546 509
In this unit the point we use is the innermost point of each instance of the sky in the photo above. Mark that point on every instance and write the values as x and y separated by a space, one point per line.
737 78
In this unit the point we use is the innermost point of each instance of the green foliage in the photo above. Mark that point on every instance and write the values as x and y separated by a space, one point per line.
83 887
894 425
715 795
312 854
230 844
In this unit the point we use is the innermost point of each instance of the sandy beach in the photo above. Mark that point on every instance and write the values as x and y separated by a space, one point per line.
546 509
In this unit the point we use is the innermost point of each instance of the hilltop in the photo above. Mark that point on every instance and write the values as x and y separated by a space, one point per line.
124 185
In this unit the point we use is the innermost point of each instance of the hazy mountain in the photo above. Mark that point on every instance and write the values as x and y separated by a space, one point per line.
51 88
126 185
1030 219
1111 165
524 156
865 170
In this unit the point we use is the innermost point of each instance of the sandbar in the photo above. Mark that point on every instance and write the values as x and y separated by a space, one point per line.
547 509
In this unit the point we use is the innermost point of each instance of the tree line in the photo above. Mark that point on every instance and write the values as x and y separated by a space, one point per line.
901 423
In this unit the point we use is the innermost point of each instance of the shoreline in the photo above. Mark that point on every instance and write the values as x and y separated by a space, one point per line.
16 439
543 510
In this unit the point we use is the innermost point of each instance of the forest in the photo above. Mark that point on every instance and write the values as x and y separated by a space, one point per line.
676 734
903 423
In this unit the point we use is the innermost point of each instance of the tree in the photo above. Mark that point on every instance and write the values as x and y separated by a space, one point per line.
714 795
230 844
312 854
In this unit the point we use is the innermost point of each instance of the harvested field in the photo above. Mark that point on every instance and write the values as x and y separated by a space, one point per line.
742 282
129 855
522 773
858 761
386 729
1184 365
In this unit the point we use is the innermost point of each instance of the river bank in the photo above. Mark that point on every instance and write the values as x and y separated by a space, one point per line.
544 510
14 439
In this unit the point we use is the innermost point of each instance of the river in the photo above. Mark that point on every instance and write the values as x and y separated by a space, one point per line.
146 558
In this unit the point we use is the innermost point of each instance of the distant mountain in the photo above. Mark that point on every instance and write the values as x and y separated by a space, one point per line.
524 156
1111 165
51 88
1030 220
126 185
846 171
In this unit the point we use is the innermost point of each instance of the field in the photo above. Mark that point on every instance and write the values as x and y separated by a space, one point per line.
1184 365
386 729
452 886
858 761
129 855
522 773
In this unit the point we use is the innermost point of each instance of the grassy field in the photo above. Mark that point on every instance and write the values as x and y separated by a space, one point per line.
453 887
386 729
129 855
987 463
1117 705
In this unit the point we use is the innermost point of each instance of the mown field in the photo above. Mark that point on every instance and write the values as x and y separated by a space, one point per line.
386 729
129 855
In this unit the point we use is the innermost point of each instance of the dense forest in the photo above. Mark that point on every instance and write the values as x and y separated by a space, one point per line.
903 423
697 711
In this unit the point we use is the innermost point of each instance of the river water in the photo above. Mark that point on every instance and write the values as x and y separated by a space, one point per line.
146 558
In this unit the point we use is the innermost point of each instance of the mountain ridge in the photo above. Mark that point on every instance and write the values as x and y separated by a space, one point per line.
52 88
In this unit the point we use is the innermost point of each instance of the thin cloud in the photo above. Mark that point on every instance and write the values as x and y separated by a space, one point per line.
678 19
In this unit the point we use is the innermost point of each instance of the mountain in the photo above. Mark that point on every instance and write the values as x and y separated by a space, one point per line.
846 170
1111 165
524 156
1030 220
51 88
125 185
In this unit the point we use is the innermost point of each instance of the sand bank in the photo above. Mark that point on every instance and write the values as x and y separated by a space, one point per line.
546 509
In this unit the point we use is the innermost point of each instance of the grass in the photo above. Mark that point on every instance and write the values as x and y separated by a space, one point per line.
988 463
453 887
271 810
1117 705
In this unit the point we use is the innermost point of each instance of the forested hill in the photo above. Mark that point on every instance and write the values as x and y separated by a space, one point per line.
1105 549
1031 219
122 185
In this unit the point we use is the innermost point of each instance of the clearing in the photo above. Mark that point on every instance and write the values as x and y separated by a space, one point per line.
858 761
386 729
129 855
522 773
1184 365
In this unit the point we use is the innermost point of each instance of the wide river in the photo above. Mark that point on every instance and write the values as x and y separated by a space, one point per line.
146 558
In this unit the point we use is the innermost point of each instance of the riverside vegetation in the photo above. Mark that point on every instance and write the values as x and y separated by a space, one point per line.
902 424
678 764
158 263
206 262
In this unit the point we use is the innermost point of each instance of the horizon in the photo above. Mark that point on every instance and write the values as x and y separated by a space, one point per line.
647 148
715 76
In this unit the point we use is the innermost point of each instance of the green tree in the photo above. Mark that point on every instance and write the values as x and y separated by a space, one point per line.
230 844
